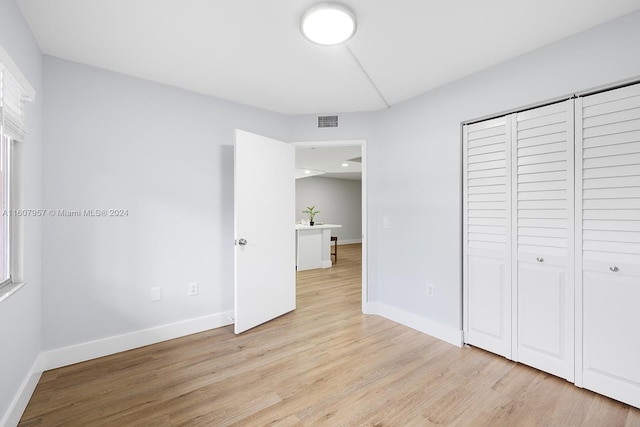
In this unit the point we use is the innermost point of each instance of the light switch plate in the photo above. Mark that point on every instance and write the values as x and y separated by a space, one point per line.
156 293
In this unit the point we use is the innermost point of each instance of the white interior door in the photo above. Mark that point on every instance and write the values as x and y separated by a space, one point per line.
487 235
264 202
543 243
608 243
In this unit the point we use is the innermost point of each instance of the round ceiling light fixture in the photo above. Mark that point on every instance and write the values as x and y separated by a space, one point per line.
328 24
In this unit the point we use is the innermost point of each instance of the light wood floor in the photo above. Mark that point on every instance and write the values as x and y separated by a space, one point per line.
324 364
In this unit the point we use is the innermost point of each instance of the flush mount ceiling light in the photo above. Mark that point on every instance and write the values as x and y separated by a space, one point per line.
328 24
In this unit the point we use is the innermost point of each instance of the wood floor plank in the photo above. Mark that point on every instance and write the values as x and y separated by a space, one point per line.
325 363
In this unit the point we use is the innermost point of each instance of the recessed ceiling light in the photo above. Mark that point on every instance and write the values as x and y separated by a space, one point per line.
328 24
307 171
345 165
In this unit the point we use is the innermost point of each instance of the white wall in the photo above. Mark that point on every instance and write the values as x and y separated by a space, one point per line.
414 166
339 202
166 156
20 313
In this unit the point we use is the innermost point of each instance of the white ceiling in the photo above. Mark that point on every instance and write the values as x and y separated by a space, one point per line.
327 162
252 52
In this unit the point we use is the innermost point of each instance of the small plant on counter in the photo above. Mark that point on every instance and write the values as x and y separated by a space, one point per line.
312 212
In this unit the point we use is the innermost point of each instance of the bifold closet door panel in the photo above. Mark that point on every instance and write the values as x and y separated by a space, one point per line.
543 215
486 234
608 242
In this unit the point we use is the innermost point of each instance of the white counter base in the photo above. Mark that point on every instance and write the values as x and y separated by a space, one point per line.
313 246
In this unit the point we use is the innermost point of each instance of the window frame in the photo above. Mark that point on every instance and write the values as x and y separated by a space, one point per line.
9 285
15 91
6 232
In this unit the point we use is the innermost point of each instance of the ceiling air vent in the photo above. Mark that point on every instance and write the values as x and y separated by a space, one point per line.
327 121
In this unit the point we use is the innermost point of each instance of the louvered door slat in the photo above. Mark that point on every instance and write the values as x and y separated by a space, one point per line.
612 172
612 214
617 181
612 193
611 139
487 221
611 203
487 229
612 150
484 158
484 149
556 147
616 114
539 231
599 248
613 128
600 224
556 128
543 195
612 236
544 157
544 222
485 173
616 105
543 203
539 140
543 177
542 168
534 183
617 160
489 197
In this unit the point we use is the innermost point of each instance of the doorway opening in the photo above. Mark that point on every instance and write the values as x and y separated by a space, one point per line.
322 161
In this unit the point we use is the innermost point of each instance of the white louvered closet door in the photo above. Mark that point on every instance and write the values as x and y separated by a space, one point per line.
487 235
608 243
543 215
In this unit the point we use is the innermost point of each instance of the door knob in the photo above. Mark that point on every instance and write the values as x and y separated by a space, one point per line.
242 242
540 259
613 268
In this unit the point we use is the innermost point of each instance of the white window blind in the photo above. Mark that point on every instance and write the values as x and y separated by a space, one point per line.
12 100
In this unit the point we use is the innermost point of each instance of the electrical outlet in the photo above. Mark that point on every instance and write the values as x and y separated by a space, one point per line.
193 288
156 294
431 290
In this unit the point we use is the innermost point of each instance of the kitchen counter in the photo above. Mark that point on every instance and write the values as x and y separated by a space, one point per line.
313 246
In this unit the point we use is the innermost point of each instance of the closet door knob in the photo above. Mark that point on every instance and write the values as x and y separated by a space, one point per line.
540 259
613 268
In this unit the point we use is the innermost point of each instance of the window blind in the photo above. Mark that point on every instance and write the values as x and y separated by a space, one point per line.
12 105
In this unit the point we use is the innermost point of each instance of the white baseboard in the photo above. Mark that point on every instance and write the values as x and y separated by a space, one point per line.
349 241
19 403
435 329
93 349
